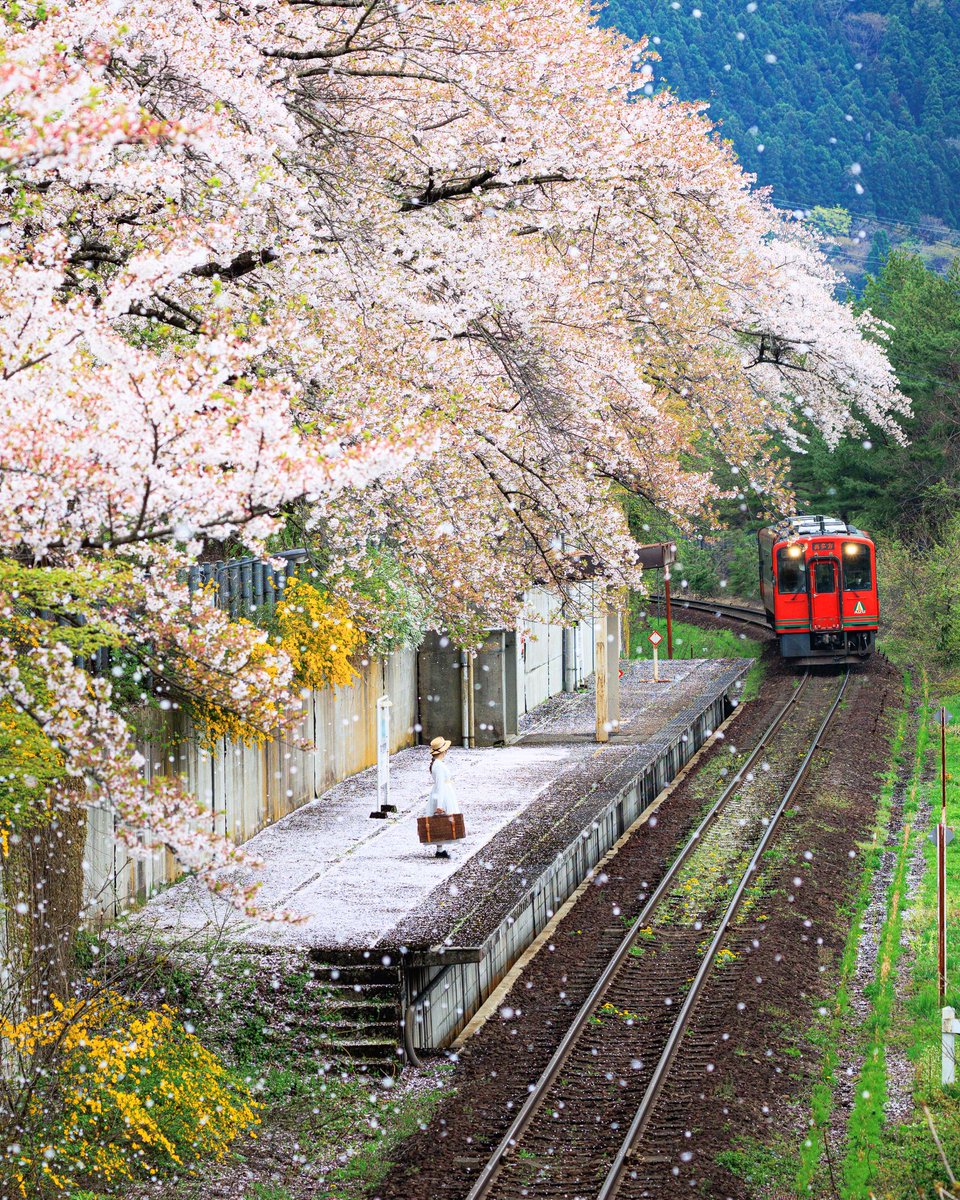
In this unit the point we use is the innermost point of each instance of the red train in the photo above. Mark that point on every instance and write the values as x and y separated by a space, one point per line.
818 580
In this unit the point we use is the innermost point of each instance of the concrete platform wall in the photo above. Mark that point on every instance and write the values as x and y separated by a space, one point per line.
515 670
246 788
540 658
445 996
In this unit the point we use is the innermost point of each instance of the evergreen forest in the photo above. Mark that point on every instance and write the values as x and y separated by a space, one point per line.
828 102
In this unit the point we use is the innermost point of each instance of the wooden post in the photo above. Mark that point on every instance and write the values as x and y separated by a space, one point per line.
464 700
943 766
601 659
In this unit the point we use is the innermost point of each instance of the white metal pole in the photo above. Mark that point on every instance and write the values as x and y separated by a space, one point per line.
948 1060
656 667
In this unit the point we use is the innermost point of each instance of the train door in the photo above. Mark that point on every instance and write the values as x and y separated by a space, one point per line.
825 595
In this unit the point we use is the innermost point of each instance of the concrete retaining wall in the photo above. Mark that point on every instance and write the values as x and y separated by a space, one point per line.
540 660
246 788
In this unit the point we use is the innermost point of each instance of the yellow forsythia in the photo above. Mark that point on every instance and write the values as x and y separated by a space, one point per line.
214 721
135 1096
318 634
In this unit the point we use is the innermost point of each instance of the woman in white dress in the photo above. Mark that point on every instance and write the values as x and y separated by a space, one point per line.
443 797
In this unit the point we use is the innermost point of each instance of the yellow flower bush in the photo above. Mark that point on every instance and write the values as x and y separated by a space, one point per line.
214 721
317 633
129 1094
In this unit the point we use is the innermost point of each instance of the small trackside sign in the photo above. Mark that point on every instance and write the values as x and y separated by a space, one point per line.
655 638
858 608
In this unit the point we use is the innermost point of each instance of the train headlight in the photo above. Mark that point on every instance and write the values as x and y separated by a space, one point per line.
852 548
794 552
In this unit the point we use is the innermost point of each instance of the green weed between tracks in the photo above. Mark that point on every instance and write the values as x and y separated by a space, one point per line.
813 1168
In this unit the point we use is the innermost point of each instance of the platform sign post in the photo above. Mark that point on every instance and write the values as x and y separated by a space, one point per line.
384 704
655 639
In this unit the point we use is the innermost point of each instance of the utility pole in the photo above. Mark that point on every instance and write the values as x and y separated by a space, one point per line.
942 836
666 593
942 864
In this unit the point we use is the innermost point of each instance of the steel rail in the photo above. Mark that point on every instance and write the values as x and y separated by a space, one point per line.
485 1180
611 1184
736 612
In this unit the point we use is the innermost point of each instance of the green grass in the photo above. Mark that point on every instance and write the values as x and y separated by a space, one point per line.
894 1162
810 1169
371 1148
866 1121
904 1160
761 1165
817 1173
690 641
267 1018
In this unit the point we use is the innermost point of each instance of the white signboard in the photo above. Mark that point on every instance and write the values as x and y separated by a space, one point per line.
383 751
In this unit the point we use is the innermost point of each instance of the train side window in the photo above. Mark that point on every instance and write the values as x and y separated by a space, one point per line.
791 575
857 575
824 578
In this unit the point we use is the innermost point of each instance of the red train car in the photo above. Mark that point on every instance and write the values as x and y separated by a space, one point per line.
818 580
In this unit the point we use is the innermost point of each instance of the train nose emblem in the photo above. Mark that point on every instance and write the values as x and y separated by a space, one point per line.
858 608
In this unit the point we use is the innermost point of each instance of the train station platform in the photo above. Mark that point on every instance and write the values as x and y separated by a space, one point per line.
538 814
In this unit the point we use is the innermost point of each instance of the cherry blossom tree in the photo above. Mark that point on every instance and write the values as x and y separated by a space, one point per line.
440 279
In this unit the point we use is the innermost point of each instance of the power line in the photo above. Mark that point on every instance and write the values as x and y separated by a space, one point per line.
947 231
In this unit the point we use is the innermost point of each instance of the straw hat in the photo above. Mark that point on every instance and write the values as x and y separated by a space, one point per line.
439 746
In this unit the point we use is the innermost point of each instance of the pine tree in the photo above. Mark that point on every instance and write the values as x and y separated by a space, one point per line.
879 253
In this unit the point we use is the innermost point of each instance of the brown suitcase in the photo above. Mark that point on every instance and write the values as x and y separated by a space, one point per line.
446 828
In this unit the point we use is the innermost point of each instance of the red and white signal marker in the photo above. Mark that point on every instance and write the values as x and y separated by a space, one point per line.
655 639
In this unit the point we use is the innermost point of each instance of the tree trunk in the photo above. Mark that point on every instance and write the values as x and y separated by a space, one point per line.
43 900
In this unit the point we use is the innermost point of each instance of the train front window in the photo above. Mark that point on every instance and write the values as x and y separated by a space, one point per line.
791 575
824 578
857 575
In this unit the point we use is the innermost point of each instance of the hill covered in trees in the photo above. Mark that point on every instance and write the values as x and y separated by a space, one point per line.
854 103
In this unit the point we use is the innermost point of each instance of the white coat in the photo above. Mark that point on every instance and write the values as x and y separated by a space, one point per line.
442 794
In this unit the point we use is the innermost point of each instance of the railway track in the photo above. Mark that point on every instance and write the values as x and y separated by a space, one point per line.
577 1134
735 612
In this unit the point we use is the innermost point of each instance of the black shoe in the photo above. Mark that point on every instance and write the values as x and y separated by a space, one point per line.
442 854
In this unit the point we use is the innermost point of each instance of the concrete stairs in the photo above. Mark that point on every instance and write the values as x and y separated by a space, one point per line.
360 1013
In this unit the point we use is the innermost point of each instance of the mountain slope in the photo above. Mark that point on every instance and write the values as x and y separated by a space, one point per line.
828 102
